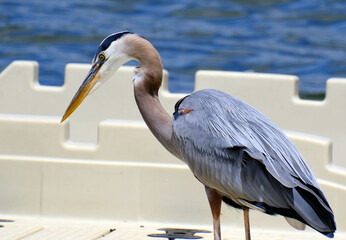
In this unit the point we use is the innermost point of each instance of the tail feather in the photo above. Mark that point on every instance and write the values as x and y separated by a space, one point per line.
314 213
308 213
305 208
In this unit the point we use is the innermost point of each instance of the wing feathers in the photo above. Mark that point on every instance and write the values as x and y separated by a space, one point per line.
234 149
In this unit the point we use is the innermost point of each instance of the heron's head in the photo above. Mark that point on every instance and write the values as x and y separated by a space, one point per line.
111 54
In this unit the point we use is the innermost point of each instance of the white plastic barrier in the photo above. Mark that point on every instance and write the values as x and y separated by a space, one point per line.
103 163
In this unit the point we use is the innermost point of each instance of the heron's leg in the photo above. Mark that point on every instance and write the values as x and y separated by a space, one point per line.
247 224
215 201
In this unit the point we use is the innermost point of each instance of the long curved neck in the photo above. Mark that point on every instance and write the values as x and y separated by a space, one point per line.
146 86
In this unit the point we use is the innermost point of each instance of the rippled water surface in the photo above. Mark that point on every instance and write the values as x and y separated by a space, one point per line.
305 38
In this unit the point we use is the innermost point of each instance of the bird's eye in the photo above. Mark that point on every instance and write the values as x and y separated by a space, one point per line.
102 56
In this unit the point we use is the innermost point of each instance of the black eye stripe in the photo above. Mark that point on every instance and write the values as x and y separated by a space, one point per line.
108 40
111 38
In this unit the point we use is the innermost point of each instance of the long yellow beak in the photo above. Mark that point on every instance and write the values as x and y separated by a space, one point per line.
83 91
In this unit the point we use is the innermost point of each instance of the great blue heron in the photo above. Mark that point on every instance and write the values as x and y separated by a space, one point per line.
240 156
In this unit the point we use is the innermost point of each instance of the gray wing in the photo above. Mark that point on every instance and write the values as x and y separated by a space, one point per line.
219 122
233 148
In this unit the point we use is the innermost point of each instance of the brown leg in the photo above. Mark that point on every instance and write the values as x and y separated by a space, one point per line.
247 224
215 201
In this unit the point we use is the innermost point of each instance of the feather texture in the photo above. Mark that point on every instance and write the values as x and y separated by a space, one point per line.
233 148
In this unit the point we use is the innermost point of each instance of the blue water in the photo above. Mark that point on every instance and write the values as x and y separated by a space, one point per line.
305 38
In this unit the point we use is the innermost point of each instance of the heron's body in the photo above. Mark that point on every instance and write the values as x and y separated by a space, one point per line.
239 155
237 151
